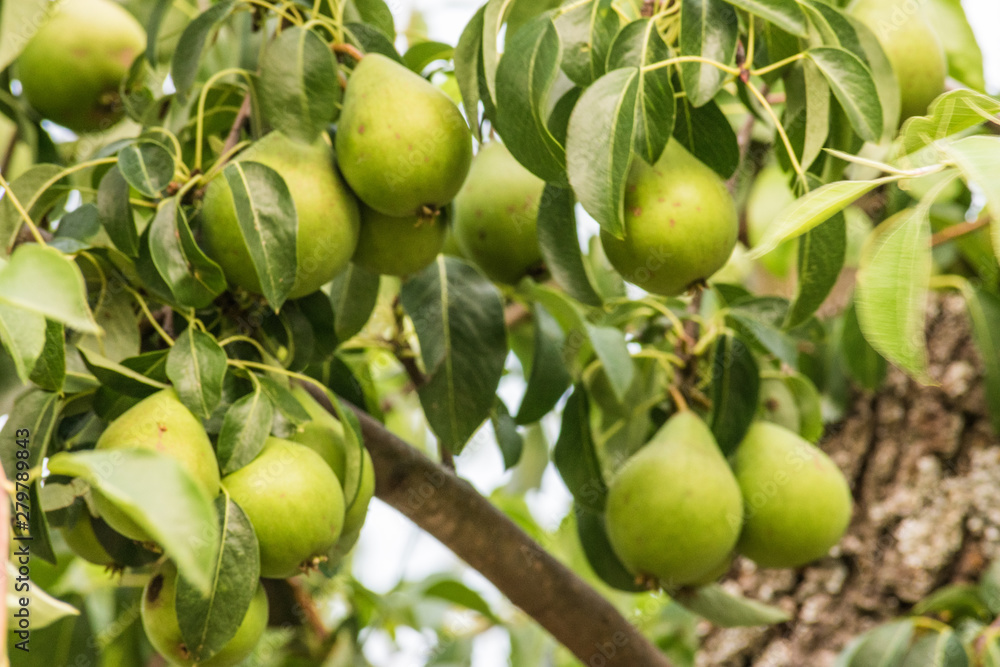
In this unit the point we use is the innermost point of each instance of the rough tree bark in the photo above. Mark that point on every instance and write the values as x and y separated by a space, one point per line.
925 472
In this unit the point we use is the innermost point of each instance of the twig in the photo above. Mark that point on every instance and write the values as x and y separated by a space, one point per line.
348 50
308 607
959 230
516 313
234 132
452 511
9 153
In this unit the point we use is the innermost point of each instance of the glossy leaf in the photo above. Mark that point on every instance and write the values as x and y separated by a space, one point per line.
599 146
807 114
548 379
586 32
353 296
807 398
786 14
299 92
268 224
891 295
866 366
244 430
115 212
458 318
147 166
136 481
494 15
852 83
707 134
458 593
32 185
978 158
735 385
593 535
196 365
187 56
208 622
508 438
119 377
468 59
821 257
49 371
726 610
709 28
375 13
575 454
45 282
940 649
558 241
23 336
422 54
524 80
191 276
950 115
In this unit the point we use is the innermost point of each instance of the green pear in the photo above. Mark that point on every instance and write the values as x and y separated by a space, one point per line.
82 540
769 196
674 510
777 405
680 224
328 217
798 503
158 611
162 424
71 70
295 503
398 246
496 213
913 48
402 144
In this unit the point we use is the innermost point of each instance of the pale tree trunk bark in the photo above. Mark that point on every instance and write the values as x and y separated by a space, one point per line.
925 471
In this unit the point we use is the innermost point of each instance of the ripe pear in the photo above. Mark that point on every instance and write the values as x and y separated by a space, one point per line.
328 217
913 48
158 611
402 144
295 503
674 510
680 224
70 71
798 503
778 405
162 424
769 196
496 214
398 246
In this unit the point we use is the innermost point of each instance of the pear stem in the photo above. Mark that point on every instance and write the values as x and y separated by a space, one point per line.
678 397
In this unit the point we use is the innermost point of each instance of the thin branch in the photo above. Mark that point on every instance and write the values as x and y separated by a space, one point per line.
241 118
348 50
9 153
452 511
308 608
959 230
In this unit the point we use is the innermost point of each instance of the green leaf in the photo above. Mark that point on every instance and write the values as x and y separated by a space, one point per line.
984 314
494 14
244 430
375 13
786 14
758 320
939 649
284 401
883 73
136 481
76 229
586 32
353 296
821 257
721 608
46 282
808 400
119 377
599 146
191 276
809 211
549 378
468 59
459 321
593 534
834 26
371 40
510 441
268 223
575 454
196 365
422 54
558 241
978 158
965 58
19 21
23 336
807 114
891 294
458 593
49 371
187 56
524 80
299 92
147 166
735 385
707 134
709 28
950 115
954 603
866 366
208 622
852 83
34 185
43 608
639 44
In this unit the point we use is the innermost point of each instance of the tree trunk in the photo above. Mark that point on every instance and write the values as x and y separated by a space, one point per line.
924 468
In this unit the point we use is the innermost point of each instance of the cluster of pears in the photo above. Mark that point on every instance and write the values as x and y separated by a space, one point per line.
913 48
680 224
678 511
71 69
403 150
291 493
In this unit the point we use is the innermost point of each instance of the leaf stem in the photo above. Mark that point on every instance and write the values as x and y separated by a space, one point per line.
149 316
796 165
691 59
202 96
751 43
776 66
347 49
22 211
679 401
244 339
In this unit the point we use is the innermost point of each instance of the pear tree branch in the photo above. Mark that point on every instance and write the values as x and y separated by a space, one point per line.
451 510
